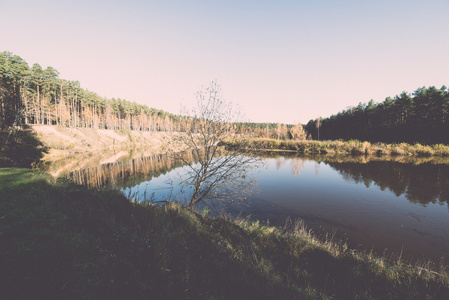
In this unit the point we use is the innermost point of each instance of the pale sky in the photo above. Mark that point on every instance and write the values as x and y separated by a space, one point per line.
280 61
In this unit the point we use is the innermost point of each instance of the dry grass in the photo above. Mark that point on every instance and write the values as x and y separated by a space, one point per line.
352 147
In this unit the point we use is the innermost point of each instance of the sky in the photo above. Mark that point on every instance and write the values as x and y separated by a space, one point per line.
279 61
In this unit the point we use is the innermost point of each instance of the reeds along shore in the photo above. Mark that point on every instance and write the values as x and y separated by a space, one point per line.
338 147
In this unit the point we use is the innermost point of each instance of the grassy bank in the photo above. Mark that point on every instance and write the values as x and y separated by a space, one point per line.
353 147
58 240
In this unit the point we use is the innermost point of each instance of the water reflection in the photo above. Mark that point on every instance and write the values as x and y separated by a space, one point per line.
379 204
420 182
297 165
424 183
129 172
373 204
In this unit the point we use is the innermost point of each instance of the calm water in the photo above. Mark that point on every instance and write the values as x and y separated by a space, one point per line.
382 205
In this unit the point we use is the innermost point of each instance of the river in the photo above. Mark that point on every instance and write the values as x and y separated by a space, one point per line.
388 206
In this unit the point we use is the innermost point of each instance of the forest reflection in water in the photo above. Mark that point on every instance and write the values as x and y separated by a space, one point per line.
128 172
420 181
395 204
388 206
423 183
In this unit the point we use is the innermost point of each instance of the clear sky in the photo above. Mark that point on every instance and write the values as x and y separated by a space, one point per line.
280 61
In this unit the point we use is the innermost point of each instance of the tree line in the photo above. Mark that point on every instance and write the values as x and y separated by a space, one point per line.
33 95
273 130
420 117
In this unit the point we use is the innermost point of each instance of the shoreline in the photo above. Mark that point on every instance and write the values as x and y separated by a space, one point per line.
352 148
99 244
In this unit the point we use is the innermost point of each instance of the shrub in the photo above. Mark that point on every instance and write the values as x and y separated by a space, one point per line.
423 150
441 150
397 150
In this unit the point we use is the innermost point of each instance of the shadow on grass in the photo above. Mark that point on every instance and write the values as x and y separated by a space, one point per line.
21 149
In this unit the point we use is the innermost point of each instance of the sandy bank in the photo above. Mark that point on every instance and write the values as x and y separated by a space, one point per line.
63 141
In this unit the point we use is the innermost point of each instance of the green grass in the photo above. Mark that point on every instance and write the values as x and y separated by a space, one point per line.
61 241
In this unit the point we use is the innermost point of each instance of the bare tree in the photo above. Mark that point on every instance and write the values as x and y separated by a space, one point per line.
278 130
217 174
297 132
318 125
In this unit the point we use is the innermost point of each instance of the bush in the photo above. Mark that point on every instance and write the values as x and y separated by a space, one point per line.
441 150
423 150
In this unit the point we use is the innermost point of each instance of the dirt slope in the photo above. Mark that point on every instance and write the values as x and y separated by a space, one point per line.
64 141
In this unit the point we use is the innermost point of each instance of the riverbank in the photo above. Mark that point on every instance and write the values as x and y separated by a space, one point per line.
59 240
39 145
64 141
353 147
53 143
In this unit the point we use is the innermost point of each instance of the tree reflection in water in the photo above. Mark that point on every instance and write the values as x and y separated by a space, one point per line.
424 183
310 188
127 173
419 181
